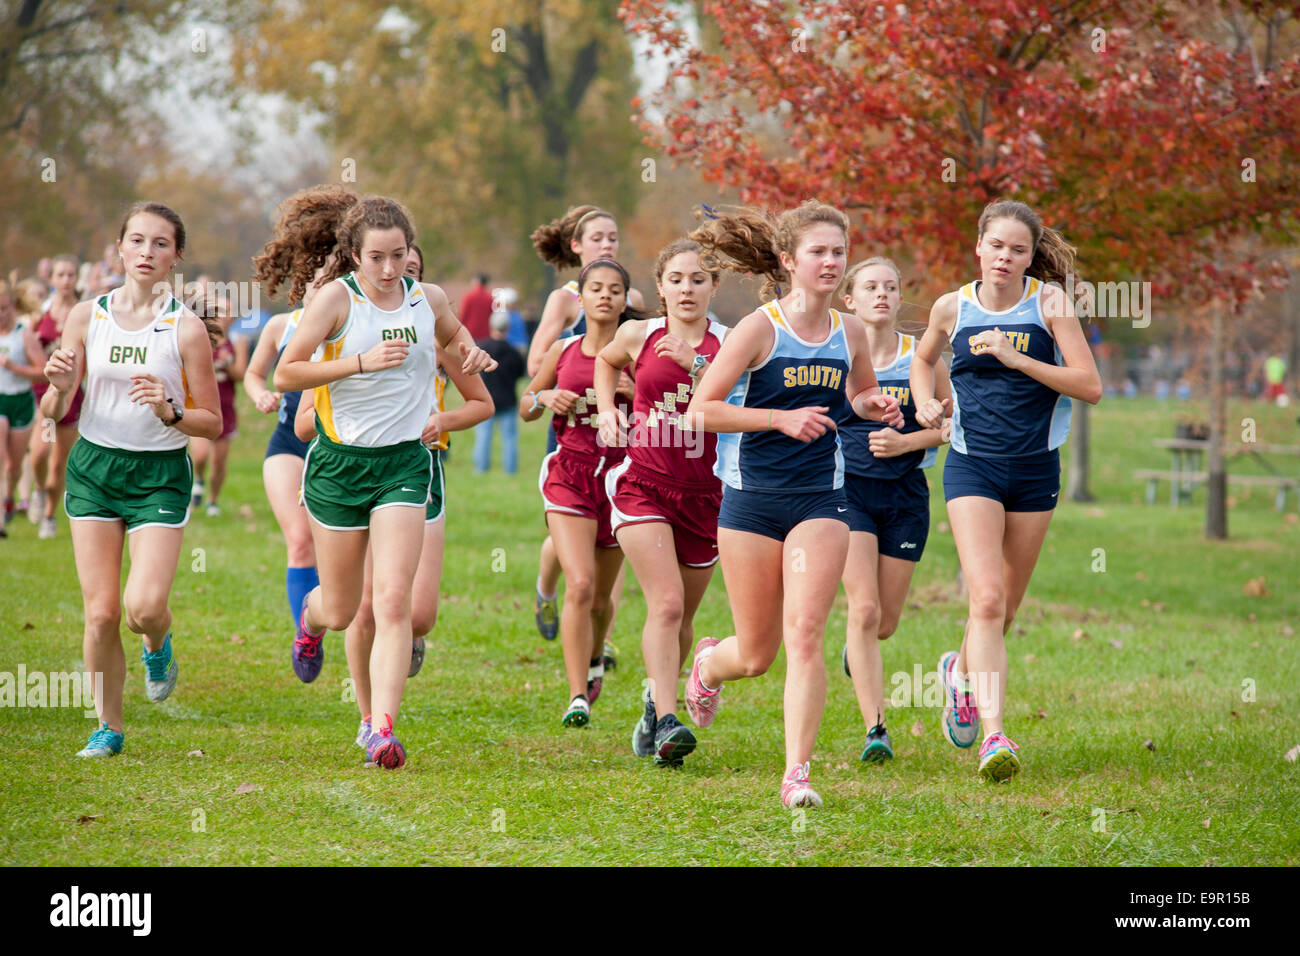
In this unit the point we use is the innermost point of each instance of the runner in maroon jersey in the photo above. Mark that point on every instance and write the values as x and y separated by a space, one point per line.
49 452
572 479
665 496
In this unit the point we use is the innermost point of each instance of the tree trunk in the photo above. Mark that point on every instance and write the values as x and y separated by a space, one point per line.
1078 485
1216 499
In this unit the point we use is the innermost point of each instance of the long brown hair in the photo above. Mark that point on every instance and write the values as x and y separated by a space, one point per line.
312 224
553 240
157 209
676 248
748 241
1053 256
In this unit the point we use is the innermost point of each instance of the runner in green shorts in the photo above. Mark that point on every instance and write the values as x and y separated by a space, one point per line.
17 407
147 364
373 386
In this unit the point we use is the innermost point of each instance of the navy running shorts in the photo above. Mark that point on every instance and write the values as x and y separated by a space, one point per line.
774 515
895 510
1029 483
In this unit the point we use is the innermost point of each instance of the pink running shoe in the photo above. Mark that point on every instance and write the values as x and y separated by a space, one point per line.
796 791
385 750
701 704
960 718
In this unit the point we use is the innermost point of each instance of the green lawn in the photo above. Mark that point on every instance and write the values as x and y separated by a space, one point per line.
1163 646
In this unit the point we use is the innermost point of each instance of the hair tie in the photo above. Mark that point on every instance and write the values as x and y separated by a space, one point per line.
709 211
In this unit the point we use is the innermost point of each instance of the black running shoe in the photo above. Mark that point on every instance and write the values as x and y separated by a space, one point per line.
673 741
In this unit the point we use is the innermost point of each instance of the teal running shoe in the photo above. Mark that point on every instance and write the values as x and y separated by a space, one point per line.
160 670
547 615
103 742
878 747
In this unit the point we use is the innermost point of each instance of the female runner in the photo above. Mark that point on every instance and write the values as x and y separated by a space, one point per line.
230 359
889 500
664 496
571 481
50 458
147 362
1019 356
374 389
581 235
783 378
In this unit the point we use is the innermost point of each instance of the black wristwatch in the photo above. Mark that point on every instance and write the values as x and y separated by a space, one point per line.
178 410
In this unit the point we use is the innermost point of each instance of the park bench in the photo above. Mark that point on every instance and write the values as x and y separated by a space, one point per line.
1188 469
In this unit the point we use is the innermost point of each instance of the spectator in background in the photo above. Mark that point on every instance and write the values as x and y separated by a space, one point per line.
1275 376
107 274
531 320
503 300
501 385
476 308
45 272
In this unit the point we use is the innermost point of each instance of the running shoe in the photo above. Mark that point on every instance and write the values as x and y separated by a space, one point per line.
196 495
673 741
36 505
417 656
998 760
796 791
595 680
878 747
103 742
609 656
701 704
383 749
578 713
363 733
844 660
49 528
160 669
213 510
308 649
643 735
960 719
548 616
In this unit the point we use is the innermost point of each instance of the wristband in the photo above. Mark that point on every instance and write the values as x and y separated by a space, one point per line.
537 400
360 370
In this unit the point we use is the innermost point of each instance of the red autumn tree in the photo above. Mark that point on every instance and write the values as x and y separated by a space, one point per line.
1151 134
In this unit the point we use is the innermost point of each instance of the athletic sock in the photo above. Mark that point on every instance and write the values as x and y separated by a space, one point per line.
298 582
545 597
596 668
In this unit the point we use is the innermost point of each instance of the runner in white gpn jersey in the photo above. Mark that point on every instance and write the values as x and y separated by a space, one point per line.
373 389
150 387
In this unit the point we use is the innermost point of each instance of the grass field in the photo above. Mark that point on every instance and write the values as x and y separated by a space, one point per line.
1165 645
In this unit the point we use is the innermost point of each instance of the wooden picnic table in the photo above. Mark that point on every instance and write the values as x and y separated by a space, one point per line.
1188 471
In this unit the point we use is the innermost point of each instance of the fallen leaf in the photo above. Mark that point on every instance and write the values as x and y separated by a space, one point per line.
251 527
1292 755
1150 745
1287 630
1040 715
1020 631
1251 617
1079 634
246 512
28 626
1117 644
1291 518
942 527
1030 659
236 639
1255 587
1235 714
1254 643
247 788
1157 607
1206 824
1095 513
1141 576
196 753
1146 602
918 729
89 817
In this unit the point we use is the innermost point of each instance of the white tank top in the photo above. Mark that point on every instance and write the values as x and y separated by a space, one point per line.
376 409
11 344
113 355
